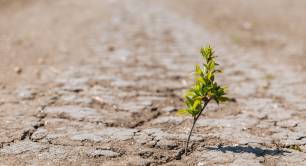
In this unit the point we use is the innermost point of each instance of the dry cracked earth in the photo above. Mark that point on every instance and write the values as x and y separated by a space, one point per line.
99 82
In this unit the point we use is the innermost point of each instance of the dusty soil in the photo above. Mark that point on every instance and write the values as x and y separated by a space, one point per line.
98 82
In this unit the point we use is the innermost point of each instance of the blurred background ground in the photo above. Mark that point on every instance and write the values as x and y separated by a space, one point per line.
38 32
275 27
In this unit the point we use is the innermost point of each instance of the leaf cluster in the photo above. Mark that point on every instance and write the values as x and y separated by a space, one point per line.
205 88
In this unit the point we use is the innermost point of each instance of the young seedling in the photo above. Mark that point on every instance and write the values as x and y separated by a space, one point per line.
204 90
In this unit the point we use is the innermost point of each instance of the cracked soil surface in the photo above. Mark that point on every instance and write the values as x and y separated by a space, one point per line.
98 82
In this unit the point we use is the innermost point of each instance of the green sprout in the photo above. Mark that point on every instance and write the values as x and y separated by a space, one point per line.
204 90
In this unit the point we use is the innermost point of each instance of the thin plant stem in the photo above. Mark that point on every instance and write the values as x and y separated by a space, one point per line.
195 119
190 132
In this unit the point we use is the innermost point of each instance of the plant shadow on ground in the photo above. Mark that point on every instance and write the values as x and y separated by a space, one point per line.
248 149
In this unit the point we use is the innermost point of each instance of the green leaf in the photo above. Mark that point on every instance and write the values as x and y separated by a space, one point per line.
218 71
201 80
189 93
211 65
198 70
223 99
198 97
193 112
183 112
189 102
196 104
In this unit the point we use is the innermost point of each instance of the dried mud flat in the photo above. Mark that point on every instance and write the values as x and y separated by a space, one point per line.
105 87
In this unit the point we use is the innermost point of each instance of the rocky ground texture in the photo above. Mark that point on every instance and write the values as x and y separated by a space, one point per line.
110 76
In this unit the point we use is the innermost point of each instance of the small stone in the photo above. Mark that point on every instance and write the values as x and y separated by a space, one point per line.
39 134
18 70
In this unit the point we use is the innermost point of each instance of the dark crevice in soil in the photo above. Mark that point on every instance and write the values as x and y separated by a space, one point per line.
26 134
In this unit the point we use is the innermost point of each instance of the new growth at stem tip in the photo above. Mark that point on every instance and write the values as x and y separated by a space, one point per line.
205 88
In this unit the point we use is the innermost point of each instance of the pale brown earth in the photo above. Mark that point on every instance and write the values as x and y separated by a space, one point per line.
98 82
